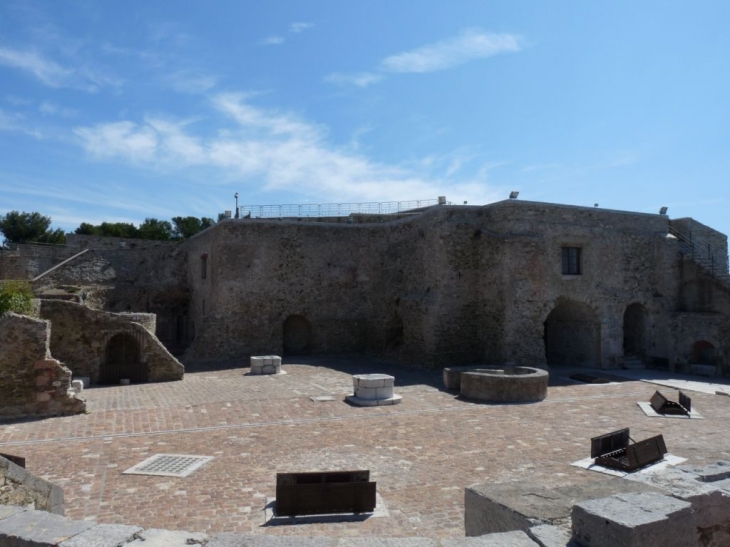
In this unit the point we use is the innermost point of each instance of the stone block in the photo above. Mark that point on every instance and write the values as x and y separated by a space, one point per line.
156 537
491 508
86 380
386 542
547 535
103 535
384 392
635 520
372 380
237 540
504 539
708 473
77 386
39 529
43 397
43 379
9 510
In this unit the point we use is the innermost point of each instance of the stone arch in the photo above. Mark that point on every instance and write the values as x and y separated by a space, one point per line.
297 335
572 335
636 331
123 359
703 353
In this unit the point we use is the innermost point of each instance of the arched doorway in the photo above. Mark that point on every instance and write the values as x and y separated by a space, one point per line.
635 331
573 335
703 353
297 335
394 335
122 359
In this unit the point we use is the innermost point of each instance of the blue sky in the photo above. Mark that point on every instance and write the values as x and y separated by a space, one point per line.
119 111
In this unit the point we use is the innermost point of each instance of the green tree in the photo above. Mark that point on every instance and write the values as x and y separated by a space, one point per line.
206 222
185 227
153 228
87 229
15 296
27 228
118 229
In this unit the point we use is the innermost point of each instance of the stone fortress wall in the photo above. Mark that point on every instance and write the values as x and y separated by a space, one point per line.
447 286
454 285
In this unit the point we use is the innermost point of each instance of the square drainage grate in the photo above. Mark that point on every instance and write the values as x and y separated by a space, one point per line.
168 465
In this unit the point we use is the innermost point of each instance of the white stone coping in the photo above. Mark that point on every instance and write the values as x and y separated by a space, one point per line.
259 360
649 411
372 380
394 400
590 465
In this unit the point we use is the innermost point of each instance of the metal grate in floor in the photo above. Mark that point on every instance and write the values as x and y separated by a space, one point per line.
168 465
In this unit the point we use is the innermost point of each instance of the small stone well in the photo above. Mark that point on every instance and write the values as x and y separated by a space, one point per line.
373 390
265 364
513 384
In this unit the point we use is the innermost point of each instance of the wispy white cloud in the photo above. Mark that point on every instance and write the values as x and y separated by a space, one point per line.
468 46
191 82
280 150
11 121
360 79
47 107
299 27
273 40
51 73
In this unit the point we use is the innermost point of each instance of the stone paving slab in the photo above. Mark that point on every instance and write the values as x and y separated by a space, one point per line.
422 452
103 535
30 528
156 537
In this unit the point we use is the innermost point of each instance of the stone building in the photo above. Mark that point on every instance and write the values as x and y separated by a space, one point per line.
511 282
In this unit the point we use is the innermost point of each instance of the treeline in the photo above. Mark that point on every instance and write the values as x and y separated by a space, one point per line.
151 228
36 228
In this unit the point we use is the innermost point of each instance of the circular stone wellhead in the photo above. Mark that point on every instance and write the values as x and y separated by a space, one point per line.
504 385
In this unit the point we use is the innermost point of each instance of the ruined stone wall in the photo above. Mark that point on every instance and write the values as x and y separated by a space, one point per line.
20 488
26 261
82 241
32 382
149 279
79 337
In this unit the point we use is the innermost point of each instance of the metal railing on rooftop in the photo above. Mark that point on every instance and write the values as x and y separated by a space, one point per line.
334 209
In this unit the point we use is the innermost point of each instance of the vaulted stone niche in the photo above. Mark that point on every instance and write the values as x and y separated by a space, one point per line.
297 335
122 359
573 335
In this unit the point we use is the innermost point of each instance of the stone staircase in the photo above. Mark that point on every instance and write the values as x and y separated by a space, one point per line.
702 253
632 362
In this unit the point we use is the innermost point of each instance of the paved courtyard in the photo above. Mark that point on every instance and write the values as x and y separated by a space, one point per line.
422 453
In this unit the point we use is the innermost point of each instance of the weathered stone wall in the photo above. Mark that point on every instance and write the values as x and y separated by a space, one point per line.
26 261
79 337
453 285
18 487
707 240
150 279
32 383
82 241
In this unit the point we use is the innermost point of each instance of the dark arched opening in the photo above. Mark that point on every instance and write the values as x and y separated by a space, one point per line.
297 335
573 335
394 334
122 359
635 332
703 353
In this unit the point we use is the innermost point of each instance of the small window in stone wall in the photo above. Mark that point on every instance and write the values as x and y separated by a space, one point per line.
204 265
571 261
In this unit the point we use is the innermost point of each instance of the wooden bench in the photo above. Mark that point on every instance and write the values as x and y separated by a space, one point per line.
324 492
615 451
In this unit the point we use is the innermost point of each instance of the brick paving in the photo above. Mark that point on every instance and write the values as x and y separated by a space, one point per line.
422 452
